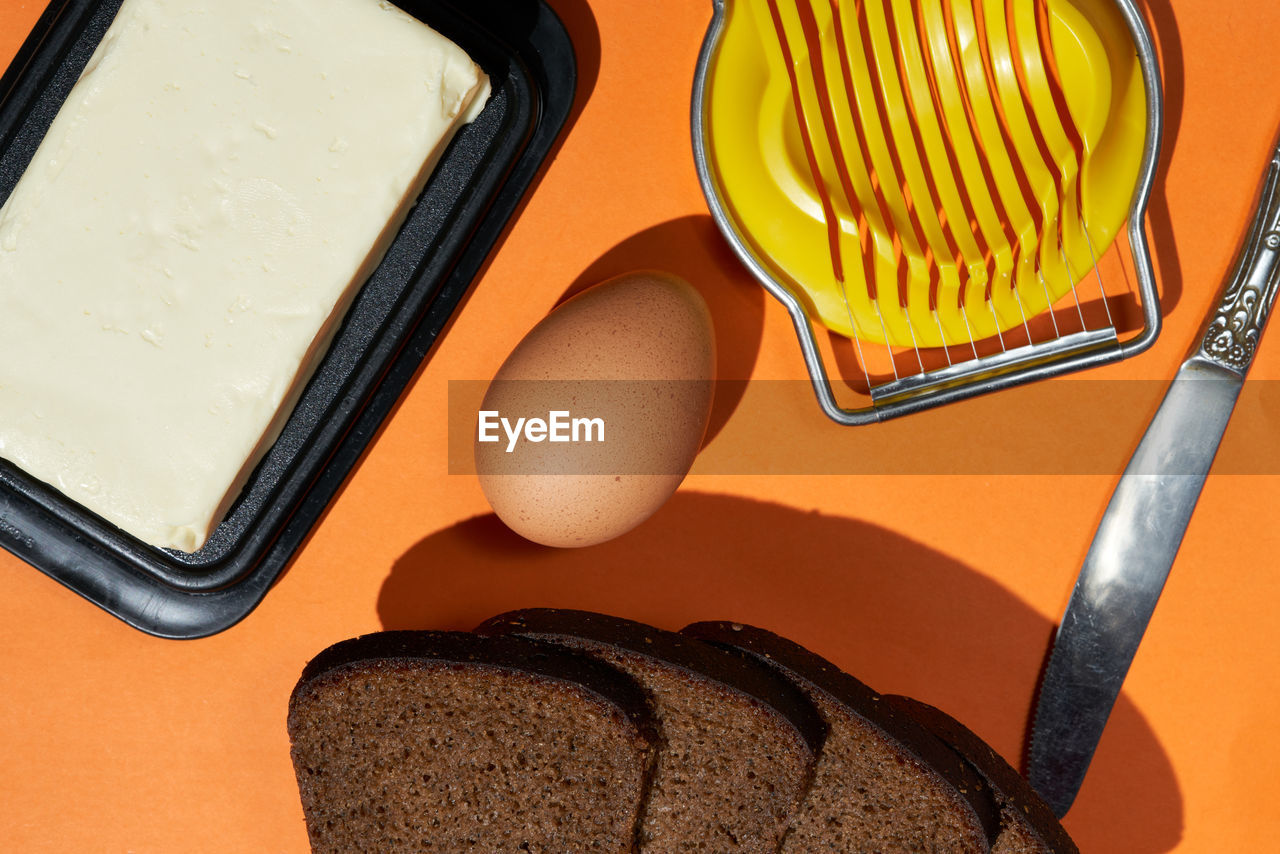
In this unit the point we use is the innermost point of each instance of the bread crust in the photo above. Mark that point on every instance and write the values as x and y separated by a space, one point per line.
930 755
672 648
389 730
1018 801
740 741
520 654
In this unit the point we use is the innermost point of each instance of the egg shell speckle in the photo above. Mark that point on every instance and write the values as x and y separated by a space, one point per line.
635 352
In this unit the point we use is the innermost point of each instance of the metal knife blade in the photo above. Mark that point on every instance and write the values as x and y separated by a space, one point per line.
1143 526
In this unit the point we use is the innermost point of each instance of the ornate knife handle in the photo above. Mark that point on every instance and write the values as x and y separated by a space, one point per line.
1231 338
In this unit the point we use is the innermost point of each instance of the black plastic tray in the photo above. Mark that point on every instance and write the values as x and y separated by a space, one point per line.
390 329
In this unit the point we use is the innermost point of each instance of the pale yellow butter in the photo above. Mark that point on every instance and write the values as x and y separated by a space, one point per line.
221 180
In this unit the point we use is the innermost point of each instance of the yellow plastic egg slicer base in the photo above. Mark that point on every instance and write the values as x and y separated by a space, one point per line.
926 175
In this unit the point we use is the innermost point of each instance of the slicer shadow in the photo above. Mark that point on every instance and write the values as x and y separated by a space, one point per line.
897 614
1164 245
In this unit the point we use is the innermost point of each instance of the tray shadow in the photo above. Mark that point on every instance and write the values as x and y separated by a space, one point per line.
893 612
580 22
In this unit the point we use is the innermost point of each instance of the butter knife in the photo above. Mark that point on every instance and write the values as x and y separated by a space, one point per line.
1142 528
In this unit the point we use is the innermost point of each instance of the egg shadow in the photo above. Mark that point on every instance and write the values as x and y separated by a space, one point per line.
902 617
691 247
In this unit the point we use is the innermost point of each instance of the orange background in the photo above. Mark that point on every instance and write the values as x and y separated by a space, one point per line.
941 585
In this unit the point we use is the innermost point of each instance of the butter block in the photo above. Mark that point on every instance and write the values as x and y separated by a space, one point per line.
221 180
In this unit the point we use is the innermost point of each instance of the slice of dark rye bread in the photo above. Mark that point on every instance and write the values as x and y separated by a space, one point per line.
1027 823
738 743
884 783
450 741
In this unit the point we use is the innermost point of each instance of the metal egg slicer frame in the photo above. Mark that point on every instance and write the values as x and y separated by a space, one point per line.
935 180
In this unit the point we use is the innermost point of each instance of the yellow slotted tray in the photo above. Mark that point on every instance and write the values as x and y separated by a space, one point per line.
924 173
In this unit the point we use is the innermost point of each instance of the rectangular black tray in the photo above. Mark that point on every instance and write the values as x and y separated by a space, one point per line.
388 333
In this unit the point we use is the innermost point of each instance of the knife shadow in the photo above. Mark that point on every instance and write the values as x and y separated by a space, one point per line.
897 614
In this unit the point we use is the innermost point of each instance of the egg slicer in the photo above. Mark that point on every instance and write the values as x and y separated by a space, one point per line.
935 181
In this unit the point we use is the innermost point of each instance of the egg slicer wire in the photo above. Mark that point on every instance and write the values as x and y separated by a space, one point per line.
979 155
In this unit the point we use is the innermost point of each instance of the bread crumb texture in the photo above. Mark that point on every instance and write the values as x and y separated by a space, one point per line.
408 756
868 795
731 771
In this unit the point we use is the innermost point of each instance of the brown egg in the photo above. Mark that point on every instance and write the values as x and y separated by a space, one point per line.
595 418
